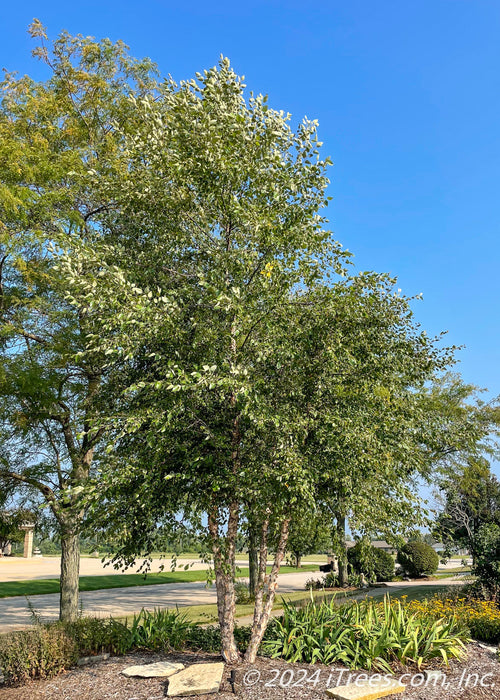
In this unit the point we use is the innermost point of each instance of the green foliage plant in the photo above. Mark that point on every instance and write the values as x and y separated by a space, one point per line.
369 635
486 566
418 559
40 652
51 132
46 650
160 629
375 563
470 495
242 593
93 635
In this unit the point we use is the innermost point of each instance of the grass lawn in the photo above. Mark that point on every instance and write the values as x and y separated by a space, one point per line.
452 572
417 592
97 583
207 614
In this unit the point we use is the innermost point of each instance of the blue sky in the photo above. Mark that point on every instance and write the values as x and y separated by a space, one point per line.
406 94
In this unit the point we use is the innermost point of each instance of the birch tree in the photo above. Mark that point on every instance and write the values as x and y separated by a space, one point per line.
255 376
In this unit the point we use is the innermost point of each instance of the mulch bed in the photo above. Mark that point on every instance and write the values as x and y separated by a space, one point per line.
267 678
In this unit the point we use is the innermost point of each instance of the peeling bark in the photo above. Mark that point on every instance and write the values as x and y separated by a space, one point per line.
262 611
224 568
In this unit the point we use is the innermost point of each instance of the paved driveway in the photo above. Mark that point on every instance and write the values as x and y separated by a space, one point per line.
14 612
19 569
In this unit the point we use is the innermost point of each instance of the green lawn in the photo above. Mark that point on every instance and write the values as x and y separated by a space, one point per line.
417 592
97 583
207 614
452 572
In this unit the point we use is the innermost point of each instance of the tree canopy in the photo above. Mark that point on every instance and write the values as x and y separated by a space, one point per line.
257 377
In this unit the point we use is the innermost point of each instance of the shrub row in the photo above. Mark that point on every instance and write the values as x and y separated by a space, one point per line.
415 558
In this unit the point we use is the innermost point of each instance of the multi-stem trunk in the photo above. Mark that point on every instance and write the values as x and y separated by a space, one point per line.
262 611
70 568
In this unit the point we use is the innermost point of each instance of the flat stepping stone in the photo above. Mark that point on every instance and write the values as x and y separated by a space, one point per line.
198 679
370 689
161 669
86 660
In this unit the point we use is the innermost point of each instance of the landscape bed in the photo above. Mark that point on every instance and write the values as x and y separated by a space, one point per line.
364 638
104 681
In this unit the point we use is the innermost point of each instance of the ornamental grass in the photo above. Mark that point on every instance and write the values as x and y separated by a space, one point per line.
365 634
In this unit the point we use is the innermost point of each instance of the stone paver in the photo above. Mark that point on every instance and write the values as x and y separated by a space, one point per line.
369 689
199 679
160 669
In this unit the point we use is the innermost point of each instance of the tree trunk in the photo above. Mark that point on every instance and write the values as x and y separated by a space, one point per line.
342 551
253 561
226 604
262 612
224 580
298 560
70 569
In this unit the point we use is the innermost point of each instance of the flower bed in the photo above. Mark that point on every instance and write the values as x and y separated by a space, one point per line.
482 618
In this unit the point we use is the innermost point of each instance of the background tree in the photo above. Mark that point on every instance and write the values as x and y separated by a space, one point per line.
310 533
51 132
451 424
486 566
471 499
465 426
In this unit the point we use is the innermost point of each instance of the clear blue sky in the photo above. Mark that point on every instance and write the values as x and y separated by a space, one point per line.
407 97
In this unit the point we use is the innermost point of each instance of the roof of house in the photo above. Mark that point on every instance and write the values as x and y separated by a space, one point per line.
379 544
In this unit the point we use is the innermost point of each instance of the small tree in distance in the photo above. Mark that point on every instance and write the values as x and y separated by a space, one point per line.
310 533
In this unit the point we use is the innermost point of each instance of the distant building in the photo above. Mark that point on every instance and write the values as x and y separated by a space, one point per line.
379 544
